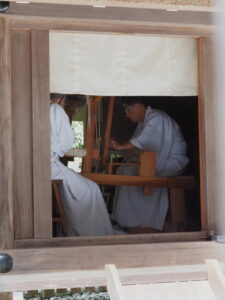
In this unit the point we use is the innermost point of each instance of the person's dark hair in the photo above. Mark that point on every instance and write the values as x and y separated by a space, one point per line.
54 96
131 100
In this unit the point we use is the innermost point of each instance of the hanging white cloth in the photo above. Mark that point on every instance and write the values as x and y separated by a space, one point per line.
158 132
85 210
122 65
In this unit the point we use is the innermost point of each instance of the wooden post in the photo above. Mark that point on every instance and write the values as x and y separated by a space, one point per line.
6 164
205 122
41 134
108 130
147 167
22 133
90 132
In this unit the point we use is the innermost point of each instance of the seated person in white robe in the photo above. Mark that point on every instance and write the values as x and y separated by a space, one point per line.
85 209
158 132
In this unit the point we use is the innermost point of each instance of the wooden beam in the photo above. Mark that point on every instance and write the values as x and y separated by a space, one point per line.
112 240
191 5
22 133
182 182
110 19
6 158
41 135
216 278
146 255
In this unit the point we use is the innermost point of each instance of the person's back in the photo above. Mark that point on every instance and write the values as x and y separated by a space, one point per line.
84 206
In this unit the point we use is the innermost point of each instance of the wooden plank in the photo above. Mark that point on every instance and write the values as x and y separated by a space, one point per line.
22 133
146 255
104 26
83 18
105 154
83 278
6 296
41 135
192 5
6 166
110 240
216 278
114 286
180 182
204 93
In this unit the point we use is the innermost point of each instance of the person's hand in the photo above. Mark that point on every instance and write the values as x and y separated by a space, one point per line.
114 145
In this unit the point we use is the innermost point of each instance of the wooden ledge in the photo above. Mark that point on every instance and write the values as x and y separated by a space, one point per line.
179 182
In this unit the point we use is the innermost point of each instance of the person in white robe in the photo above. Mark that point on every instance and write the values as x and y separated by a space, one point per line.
156 131
85 210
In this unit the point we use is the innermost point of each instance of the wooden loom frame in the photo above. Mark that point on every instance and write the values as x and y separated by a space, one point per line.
27 31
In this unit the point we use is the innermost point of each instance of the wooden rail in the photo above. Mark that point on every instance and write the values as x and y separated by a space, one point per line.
179 182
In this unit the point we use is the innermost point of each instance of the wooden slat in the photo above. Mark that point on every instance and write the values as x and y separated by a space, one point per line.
114 286
6 166
41 135
182 182
216 278
195 5
22 133
108 130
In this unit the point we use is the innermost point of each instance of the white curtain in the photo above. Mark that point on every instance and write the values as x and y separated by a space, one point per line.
118 65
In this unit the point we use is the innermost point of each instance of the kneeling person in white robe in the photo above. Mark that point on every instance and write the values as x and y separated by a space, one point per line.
158 132
84 206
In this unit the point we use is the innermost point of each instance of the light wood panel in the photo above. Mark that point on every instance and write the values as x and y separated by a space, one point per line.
22 133
216 278
6 161
114 286
41 135
84 278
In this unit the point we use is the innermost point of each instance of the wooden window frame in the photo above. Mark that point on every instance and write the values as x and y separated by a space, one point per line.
41 24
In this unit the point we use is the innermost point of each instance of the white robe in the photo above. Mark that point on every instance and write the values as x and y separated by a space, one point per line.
84 206
158 132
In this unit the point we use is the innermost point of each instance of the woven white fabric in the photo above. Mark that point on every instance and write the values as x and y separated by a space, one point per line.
118 65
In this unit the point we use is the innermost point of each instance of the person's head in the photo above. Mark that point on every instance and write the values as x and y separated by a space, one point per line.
135 108
58 98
